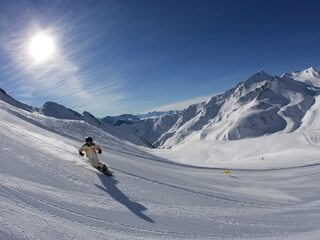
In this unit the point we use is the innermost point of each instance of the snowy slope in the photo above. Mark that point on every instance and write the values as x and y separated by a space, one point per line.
58 111
8 99
265 152
48 192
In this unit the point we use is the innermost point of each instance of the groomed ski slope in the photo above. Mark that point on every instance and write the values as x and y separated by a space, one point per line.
48 192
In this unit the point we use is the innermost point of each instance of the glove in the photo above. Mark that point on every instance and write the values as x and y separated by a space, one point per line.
81 154
99 151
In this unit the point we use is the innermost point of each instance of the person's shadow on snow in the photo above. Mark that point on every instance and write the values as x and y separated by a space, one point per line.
110 187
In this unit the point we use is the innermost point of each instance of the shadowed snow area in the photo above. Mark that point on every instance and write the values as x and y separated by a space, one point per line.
48 192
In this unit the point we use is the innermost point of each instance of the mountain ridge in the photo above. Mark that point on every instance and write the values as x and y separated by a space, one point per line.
263 104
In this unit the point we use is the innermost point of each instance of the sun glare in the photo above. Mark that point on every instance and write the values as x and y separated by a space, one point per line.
41 47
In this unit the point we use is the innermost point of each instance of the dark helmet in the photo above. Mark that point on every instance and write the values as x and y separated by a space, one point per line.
89 139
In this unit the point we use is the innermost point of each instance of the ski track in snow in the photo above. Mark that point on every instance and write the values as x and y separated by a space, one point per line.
48 192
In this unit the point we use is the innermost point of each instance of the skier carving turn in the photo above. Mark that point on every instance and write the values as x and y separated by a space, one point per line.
91 149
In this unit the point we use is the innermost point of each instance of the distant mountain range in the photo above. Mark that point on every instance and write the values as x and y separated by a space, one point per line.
121 119
130 118
156 114
263 104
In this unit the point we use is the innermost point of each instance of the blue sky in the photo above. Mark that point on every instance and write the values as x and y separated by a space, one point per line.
119 56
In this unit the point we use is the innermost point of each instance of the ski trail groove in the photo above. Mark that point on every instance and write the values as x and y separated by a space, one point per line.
239 203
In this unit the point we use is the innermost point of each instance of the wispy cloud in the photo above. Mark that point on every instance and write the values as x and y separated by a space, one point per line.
183 104
66 77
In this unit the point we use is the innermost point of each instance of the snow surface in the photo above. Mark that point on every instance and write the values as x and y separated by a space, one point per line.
49 192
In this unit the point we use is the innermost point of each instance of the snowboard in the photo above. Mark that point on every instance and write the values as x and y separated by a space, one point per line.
108 173
105 171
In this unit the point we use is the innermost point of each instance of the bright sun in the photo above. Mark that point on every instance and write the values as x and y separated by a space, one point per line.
41 47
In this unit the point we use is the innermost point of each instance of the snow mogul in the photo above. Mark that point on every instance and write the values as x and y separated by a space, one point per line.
91 149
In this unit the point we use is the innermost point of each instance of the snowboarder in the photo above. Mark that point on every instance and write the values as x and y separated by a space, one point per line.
91 149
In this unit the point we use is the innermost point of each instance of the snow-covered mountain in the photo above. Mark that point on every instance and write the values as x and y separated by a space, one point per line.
310 76
8 99
157 114
263 104
55 110
121 119
131 119
150 129
52 109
